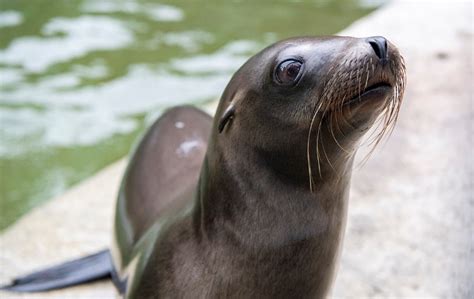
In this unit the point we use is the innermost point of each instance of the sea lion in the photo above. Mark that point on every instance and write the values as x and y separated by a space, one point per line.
253 205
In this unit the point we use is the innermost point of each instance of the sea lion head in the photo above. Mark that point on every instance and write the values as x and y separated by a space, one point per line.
303 104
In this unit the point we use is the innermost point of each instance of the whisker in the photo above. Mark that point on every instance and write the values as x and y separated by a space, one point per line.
326 155
333 135
390 114
332 100
308 144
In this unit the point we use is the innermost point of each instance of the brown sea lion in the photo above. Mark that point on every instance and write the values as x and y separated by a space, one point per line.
254 204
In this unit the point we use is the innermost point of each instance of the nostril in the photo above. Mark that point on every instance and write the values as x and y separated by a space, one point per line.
379 45
376 48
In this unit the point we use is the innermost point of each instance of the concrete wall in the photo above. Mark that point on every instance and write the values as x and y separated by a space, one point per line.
410 230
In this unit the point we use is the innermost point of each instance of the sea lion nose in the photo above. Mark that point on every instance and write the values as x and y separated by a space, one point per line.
379 44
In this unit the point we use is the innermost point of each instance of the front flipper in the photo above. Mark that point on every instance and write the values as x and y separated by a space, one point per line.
163 171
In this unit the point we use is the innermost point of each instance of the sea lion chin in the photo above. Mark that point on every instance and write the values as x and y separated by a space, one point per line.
254 203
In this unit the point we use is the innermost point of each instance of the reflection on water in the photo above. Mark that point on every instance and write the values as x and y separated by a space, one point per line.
10 18
63 39
80 79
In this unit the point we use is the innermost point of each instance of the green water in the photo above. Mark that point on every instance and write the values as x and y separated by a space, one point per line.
80 80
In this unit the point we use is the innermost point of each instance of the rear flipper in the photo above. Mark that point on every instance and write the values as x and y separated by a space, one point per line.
87 269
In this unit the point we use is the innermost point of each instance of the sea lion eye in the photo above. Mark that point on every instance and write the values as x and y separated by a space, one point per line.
288 71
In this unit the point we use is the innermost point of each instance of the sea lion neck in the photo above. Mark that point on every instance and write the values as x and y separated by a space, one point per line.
244 199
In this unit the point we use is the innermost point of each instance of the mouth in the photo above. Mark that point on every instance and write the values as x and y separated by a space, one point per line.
375 91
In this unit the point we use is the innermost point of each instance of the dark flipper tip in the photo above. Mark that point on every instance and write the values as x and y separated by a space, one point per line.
86 269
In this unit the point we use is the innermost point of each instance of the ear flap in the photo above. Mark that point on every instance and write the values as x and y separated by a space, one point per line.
229 113
226 117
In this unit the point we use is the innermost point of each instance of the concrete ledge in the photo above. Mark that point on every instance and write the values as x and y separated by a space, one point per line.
410 229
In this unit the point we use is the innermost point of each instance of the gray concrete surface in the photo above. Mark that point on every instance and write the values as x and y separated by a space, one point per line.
410 231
